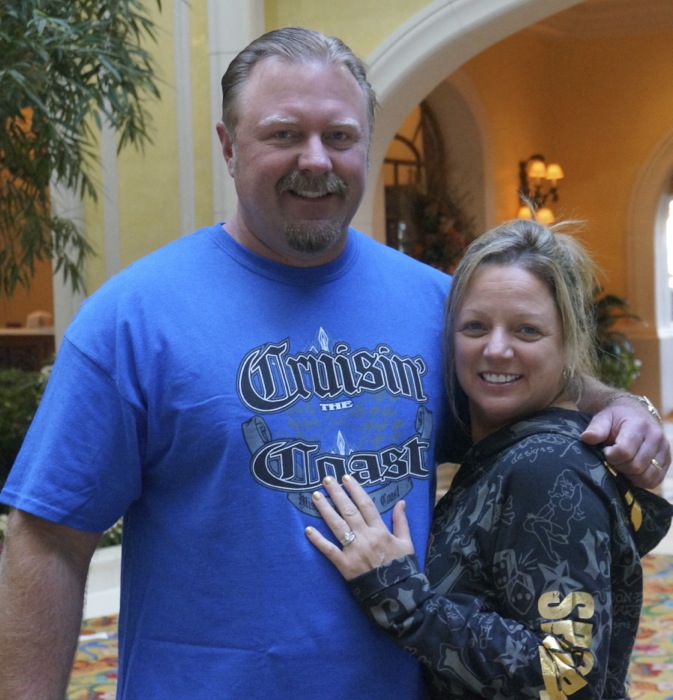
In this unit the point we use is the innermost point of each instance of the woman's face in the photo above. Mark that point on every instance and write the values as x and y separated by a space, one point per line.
508 347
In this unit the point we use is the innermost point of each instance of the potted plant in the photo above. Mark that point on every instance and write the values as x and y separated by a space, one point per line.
95 52
618 365
20 393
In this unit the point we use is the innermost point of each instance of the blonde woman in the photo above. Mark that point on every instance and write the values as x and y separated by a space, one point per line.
533 582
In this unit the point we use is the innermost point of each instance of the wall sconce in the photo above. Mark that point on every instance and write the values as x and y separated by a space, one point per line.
537 183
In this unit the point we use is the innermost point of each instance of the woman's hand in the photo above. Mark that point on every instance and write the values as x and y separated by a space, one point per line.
356 514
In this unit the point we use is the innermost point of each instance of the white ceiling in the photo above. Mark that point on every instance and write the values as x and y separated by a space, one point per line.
600 18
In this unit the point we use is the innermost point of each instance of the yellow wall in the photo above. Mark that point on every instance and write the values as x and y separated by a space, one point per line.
598 107
203 127
363 25
516 100
147 184
148 179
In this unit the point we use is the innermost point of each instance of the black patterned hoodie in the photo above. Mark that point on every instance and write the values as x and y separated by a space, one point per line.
533 581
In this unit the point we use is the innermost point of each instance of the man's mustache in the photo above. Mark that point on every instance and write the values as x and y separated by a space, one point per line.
307 185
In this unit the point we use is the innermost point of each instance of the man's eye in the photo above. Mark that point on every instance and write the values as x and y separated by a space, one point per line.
339 139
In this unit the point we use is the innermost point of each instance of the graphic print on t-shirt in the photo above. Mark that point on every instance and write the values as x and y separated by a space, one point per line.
334 397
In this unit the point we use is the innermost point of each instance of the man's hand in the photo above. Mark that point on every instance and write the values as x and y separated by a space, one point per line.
635 442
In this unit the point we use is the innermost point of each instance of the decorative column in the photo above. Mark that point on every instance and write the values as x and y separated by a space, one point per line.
232 24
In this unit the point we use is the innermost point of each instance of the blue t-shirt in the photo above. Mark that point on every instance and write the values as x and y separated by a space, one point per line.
203 394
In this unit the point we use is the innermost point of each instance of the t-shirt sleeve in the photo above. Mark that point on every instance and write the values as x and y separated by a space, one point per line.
80 463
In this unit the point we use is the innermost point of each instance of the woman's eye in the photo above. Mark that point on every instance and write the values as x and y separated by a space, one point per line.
471 327
529 331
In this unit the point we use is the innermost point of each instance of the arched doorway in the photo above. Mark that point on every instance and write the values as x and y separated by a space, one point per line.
433 45
648 275
422 53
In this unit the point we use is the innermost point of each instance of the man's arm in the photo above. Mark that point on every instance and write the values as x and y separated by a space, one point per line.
636 444
43 571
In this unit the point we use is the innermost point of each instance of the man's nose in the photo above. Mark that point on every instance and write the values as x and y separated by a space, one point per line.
314 157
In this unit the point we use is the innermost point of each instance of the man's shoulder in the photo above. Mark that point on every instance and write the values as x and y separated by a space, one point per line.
180 250
149 280
178 257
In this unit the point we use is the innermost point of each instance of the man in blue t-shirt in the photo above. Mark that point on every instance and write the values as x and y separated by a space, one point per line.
204 393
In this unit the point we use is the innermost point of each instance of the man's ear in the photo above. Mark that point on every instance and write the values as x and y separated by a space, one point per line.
227 147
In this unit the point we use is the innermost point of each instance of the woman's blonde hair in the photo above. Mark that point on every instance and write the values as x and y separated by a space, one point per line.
560 262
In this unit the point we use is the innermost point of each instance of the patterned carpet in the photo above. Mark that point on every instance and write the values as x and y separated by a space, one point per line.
652 659
95 671
94 674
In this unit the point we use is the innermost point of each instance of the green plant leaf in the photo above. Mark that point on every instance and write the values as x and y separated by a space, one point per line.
65 66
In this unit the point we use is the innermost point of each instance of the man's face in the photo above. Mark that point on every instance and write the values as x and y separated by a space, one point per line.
299 160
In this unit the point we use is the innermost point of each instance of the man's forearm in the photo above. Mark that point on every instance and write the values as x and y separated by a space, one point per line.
41 600
595 395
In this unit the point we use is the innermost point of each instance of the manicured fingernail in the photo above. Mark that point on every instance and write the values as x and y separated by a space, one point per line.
347 477
309 530
327 480
317 495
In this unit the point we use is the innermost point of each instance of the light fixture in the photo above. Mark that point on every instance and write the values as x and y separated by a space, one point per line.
538 182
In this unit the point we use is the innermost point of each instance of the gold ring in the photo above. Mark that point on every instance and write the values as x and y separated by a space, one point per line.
656 465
